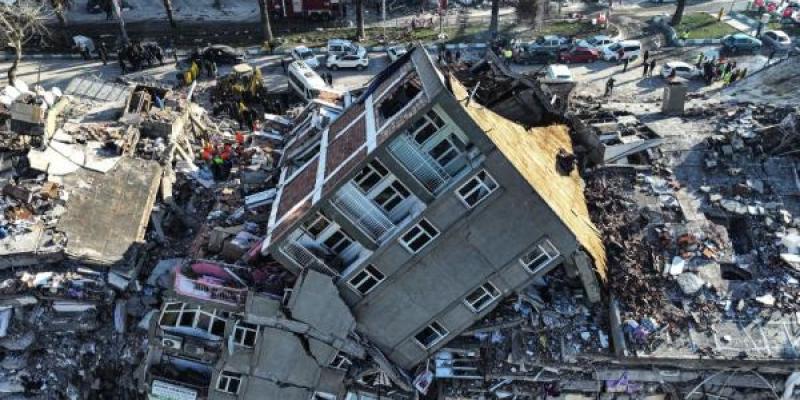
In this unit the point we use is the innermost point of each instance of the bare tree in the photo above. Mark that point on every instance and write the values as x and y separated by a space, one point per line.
360 33
170 17
495 17
676 18
19 23
266 28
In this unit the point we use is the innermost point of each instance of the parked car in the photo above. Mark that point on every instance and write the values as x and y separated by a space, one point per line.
356 61
624 50
557 73
550 42
304 54
222 54
579 55
738 42
778 40
595 42
535 56
681 69
342 46
395 52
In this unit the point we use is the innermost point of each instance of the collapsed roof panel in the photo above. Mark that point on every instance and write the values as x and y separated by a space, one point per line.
107 214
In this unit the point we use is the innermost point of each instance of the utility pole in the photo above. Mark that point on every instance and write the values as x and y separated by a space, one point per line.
383 17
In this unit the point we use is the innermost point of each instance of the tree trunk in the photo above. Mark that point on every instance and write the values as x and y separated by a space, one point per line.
170 17
676 18
118 12
360 33
265 24
12 72
495 17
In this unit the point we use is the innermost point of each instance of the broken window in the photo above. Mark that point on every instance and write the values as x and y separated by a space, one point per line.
245 334
477 188
540 256
393 102
317 225
367 279
391 196
419 236
424 128
481 297
340 361
338 242
181 315
331 235
229 382
431 335
370 175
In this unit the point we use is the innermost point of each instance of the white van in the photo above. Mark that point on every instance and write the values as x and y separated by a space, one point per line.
307 83
631 49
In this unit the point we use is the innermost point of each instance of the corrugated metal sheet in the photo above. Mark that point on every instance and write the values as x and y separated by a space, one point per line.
95 89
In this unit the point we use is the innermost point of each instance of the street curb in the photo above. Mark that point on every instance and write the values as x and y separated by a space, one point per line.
672 36
743 19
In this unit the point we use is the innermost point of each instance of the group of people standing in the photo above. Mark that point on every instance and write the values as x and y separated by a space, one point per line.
718 70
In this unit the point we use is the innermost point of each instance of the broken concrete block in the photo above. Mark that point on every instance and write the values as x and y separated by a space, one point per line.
689 283
767 300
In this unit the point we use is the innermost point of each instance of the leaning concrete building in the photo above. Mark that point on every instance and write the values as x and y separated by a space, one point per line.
426 209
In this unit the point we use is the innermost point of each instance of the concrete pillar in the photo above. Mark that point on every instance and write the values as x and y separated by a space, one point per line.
588 276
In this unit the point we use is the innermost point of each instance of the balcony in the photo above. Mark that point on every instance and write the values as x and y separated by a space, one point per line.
363 212
304 258
419 163
210 282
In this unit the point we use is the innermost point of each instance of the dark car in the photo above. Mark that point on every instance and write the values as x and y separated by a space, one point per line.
579 55
740 42
534 56
222 54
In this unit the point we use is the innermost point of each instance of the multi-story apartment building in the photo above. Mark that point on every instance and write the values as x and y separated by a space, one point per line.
224 334
426 209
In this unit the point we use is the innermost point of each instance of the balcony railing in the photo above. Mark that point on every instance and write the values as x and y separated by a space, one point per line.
363 212
304 258
420 164
205 288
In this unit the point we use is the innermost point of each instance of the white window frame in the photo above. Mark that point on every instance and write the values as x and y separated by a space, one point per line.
479 184
330 229
435 327
224 381
244 328
213 317
340 361
396 194
548 253
422 232
485 299
371 166
364 276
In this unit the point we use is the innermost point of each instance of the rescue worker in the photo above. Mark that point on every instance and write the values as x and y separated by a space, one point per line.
507 55
609 86
652 67
103 52
645 67
625 65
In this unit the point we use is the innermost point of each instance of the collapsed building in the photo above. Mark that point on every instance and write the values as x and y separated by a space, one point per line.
453 232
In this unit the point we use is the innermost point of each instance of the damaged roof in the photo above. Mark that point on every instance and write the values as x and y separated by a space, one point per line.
533 153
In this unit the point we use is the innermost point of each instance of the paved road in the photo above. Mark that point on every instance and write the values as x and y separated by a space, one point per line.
60 72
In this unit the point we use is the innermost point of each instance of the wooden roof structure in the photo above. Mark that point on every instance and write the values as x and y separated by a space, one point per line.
533 153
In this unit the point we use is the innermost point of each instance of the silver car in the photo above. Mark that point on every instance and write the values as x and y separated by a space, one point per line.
777 40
